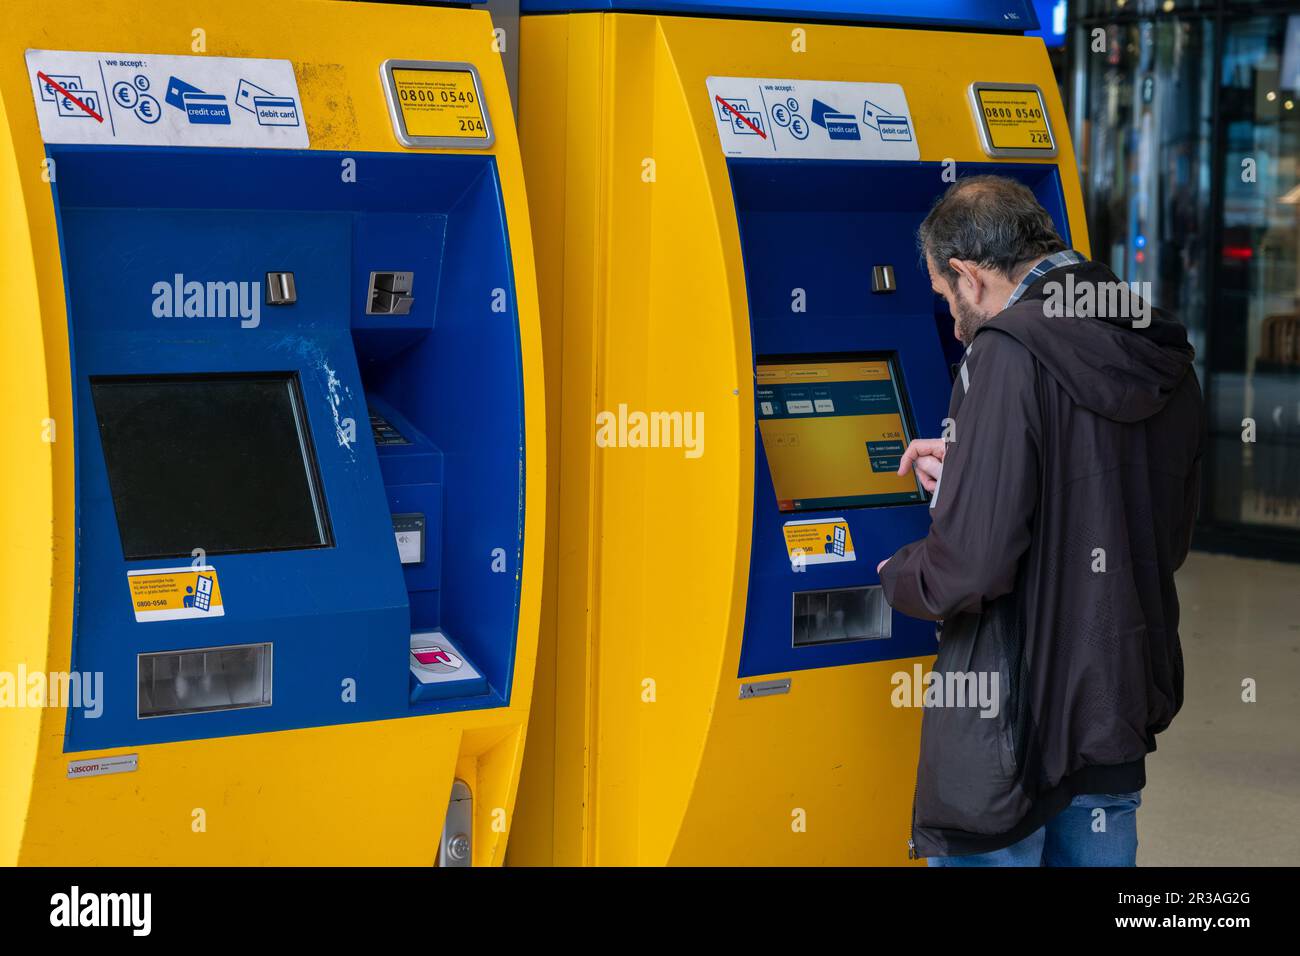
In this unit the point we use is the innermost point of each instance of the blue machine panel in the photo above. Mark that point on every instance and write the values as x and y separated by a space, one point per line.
418 415
995 15
820 227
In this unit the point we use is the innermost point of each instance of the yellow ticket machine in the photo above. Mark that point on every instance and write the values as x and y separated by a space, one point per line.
740 340
272 523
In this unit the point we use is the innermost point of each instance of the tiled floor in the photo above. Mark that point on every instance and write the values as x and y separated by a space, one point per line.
1224 787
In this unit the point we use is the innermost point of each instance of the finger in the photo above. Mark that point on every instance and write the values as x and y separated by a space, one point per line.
919 447
930 466
915 449
905 462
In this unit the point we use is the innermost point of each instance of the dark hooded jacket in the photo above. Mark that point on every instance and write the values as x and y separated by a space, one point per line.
1067 500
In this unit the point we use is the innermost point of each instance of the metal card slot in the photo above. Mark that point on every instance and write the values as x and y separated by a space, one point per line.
203 680
840 615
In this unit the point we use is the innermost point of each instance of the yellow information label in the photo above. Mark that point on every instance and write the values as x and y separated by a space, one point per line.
819 541
1015 119
174 594
441 103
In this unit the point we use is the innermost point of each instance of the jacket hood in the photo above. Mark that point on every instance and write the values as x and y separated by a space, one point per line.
1080 328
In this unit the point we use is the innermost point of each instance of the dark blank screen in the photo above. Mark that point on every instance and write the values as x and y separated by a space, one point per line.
219 462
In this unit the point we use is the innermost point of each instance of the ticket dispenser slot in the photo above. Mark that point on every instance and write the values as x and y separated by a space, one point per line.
839 391
264 461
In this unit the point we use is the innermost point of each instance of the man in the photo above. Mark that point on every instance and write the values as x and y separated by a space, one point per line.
1063 496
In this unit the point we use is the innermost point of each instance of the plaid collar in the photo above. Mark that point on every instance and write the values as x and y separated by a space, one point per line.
1066 257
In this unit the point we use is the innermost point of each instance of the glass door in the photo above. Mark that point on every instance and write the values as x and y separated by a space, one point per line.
1254 354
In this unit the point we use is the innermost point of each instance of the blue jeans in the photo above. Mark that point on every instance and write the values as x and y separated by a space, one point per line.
1078 836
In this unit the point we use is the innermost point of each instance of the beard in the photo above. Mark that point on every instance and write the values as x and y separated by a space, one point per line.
967 320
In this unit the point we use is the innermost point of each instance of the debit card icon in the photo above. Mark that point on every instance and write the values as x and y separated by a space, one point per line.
894 129
247 93
276 110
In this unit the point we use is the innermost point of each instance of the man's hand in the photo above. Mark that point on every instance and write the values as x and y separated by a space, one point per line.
925 456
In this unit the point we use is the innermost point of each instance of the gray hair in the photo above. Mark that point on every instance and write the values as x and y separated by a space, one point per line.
992 221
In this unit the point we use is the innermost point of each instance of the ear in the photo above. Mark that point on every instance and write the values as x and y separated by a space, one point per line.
967 271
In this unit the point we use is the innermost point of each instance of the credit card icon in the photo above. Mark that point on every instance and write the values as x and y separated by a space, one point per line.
841 126
276 110
176 90
207 108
